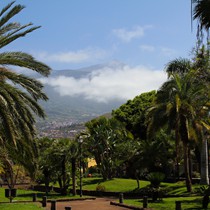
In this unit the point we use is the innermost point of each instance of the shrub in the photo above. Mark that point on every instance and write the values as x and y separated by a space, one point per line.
205 191
93 170
155 178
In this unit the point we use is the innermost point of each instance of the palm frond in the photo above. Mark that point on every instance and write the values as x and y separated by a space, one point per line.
202 14
23 60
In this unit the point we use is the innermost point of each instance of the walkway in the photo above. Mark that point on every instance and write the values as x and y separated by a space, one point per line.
97 204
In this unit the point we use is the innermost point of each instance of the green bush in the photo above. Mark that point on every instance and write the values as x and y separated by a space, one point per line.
93 170
155 178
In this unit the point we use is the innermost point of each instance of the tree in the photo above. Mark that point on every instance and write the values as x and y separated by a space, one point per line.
201 13
200 65
19 95
132 113
74 154
60 150
55 157
180 66
57 162
18 105
110 144
176 106
46 168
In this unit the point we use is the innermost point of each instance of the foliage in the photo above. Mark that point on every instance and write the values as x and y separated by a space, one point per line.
205 192
132 113
18 106
178 106
54 161
15 160
155 178
109 143
201 14
19 97
155 154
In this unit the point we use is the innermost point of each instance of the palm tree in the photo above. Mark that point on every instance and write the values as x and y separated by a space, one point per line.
180 66
176 106
18 105
201 65
200 12
110 144
24 155
74 154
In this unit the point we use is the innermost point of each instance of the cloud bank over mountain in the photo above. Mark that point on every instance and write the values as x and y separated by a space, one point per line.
118 82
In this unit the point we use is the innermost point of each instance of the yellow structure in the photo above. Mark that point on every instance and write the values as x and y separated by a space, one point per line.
91 162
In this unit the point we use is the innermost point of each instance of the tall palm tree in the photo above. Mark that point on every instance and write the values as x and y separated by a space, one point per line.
176 108
180 66
201 65
200 12
18 105
74 156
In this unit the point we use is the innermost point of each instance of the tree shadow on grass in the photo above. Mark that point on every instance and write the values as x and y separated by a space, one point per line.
196 201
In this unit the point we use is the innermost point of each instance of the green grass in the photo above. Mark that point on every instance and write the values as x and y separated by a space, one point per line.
129 185
187 203
114 185
179 189
20 206
193 201
26 195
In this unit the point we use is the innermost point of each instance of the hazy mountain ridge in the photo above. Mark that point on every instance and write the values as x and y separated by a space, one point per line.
65 111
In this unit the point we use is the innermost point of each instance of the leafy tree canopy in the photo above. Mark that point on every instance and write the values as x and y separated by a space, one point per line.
132 113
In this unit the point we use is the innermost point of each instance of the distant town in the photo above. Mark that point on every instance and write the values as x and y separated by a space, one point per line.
59 129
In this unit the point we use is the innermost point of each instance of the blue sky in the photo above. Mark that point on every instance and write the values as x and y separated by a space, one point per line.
142 34
77 33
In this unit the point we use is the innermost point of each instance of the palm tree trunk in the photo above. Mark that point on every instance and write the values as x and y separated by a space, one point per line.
186 168
177 153
73 168
204 163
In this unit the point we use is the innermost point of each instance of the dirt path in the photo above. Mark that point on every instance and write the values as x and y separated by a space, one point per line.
97 204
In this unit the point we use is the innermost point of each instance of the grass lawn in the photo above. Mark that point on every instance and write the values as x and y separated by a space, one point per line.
114 185
20 206
193 201
187 203
129 185
26 195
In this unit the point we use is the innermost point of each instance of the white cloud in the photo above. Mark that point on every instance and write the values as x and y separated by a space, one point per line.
147 48
109 83
78 56
127 35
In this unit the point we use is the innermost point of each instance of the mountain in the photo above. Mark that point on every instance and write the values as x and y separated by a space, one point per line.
65 110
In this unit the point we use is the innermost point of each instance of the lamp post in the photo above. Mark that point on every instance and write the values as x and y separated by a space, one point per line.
80 163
